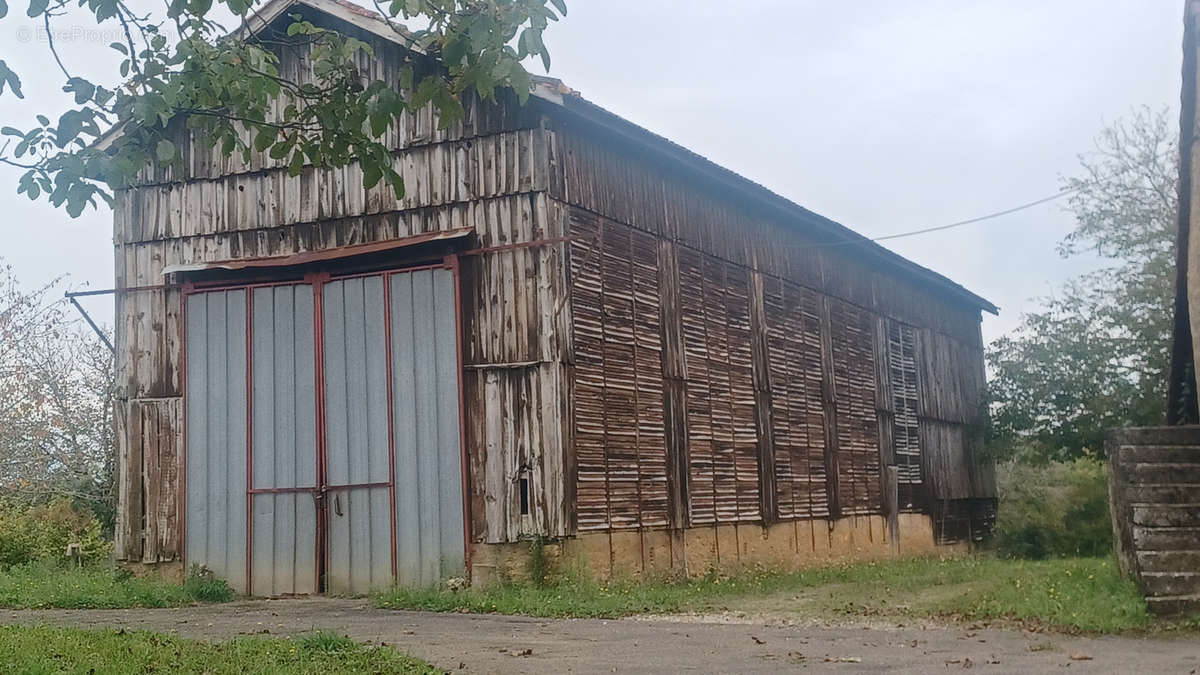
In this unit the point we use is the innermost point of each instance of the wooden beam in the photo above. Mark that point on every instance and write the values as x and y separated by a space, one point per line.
829 399
674 368
761 364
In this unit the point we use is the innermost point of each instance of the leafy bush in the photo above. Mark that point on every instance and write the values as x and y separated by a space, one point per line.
204 586
41 532
1053 510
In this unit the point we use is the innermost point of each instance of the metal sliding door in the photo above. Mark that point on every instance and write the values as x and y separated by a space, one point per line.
283 467
393 459
215 413
430 540
323 434
357 455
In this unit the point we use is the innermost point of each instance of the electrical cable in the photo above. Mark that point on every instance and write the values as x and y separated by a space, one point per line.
939 228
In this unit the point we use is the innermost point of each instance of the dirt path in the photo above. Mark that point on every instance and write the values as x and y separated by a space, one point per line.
500 644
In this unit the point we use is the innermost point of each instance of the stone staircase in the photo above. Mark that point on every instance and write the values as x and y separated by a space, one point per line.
1154 488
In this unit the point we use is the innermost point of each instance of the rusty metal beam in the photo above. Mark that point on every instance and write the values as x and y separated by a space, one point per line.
86 317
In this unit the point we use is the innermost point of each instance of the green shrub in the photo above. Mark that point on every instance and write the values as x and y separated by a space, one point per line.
204 586
41 532
1053 510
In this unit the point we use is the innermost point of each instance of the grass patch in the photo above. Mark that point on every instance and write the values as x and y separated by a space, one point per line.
42 649
1073 595
44 585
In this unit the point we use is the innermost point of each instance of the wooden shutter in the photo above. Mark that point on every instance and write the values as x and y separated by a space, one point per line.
721 424
619 437
906 437
794 343
852 337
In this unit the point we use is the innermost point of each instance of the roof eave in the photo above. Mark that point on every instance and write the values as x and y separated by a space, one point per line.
554 92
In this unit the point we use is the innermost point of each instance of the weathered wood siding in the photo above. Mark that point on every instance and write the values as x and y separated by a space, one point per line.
793 316
488 172
791 371
149 519
620 441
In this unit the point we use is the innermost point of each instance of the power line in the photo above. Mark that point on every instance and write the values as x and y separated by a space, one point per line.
939 228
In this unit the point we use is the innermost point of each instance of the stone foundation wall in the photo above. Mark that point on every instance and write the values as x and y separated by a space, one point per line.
722 548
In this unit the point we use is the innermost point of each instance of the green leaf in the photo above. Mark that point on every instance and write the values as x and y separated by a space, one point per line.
264 138
8 77
37 8
83 89
371 175
119 46
165 150
43 120
379 123
279 150
11 131
397 183
297 163
560 5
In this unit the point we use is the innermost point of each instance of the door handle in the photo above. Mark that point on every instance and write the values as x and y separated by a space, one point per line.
337 504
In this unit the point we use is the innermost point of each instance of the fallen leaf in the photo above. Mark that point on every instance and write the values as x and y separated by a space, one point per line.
757 641
843 659
1080 656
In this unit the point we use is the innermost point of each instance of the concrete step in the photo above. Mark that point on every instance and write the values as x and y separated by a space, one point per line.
1174 605
1161 584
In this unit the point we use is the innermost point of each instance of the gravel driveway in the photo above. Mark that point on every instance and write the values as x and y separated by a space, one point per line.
503 644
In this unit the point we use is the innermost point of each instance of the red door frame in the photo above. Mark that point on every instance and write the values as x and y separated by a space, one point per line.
317 281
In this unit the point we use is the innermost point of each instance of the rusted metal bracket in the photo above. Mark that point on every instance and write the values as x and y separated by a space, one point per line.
70 295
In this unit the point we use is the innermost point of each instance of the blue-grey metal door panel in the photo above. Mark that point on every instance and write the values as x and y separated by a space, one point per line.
430 542
283 452
215 419
357 455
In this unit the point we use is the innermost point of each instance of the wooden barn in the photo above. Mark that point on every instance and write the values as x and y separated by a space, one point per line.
570 330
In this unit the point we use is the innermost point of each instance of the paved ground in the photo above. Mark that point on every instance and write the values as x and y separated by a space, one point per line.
499 644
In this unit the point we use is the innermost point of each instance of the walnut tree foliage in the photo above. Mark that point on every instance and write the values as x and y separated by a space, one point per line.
181 66
1096 355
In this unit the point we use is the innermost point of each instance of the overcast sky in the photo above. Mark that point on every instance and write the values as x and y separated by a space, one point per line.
886 116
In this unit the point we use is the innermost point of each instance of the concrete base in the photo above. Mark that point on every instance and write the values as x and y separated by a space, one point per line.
170 571
723 549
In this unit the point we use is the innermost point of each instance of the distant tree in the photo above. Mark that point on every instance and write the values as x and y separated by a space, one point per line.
1096 355
178 65
56 426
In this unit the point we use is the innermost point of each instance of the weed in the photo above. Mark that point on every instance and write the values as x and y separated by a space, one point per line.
322 641
204 586
538 565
